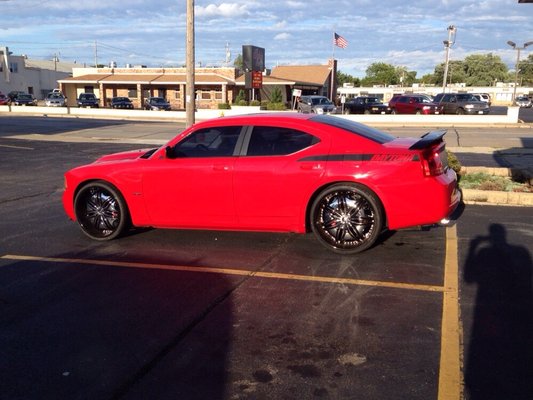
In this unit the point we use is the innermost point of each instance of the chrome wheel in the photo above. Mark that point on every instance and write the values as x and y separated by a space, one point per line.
100 211
347 218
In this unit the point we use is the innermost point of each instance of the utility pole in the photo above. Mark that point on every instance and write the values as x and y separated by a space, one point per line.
95 54
514 46
190 92
447 44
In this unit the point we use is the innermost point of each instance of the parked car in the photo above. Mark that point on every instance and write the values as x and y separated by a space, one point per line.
316 105
365 105
87 100
24 100
413 104
4 100
14 94
460 103
483 97
121 102
156 104
523 101
55 99
344 181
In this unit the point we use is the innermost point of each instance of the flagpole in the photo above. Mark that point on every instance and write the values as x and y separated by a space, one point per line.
332 80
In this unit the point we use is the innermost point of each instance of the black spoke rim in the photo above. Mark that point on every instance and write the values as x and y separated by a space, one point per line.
345 219
99 212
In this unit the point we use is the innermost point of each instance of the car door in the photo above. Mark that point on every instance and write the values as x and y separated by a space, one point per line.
273 180
192 186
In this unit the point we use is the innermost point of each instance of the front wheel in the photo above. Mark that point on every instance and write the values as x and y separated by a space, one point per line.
101 211
347 218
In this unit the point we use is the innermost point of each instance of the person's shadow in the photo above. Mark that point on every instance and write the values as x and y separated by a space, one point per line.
499 362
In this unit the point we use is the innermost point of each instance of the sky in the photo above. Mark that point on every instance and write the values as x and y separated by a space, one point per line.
403 33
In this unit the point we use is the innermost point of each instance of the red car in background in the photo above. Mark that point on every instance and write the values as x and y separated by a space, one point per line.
4 100
413 104
342 180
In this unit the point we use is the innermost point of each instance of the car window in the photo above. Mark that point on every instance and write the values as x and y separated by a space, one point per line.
354 127
209 142
403 100
276 141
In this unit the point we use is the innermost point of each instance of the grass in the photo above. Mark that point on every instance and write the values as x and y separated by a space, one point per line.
484 181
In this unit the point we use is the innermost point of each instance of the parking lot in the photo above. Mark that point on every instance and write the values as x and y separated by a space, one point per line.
169 314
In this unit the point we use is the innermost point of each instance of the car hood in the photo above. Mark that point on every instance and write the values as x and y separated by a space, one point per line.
122 156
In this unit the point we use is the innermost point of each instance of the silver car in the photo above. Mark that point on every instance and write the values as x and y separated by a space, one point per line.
523 101
316 104
55 99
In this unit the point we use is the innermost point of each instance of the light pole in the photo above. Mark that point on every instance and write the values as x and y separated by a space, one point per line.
514 46
190 101
452 30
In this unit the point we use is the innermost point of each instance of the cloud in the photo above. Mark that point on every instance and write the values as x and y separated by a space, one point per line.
225 10
282 36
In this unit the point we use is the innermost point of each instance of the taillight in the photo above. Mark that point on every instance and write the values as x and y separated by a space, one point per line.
434 161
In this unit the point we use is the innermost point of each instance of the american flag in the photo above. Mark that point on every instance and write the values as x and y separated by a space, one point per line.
339 41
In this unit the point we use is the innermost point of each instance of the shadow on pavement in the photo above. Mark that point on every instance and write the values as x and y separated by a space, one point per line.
499 362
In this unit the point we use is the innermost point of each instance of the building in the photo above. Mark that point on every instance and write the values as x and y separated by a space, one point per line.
212 85
36 77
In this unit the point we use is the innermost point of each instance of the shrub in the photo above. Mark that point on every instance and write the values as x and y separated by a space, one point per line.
242 102
454 163
255 103
276 106
224 106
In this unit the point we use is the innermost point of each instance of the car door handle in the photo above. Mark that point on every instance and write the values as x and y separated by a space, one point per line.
310 166
221 167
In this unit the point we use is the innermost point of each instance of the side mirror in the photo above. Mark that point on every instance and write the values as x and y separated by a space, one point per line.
169 152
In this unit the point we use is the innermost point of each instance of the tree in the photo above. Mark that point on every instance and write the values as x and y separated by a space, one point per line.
484 70
381 74
525 71
405 77
456 72
343 78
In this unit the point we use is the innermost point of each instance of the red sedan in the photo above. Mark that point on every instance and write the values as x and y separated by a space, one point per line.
342 180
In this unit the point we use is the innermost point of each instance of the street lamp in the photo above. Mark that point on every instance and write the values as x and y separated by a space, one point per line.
514 46
452 30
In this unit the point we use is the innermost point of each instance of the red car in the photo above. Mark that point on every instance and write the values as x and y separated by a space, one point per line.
4 100
413 104
340 179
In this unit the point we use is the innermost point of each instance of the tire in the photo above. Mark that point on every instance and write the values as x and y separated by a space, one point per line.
101 211
347 218
418 112
460 111
393 111
347 111
366 112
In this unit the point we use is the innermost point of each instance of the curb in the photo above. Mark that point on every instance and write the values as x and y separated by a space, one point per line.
474 196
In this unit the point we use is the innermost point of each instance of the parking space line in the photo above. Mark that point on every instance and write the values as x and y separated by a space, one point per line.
450 375
228 271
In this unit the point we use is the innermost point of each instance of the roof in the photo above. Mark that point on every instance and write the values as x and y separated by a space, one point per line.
303 74
267 80
139 78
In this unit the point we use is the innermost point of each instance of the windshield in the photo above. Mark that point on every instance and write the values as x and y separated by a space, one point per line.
158 100
24 96
320 100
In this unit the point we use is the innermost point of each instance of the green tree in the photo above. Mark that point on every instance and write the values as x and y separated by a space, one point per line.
405 77
380 74
456 72
525 71
276 96
343 78
484 70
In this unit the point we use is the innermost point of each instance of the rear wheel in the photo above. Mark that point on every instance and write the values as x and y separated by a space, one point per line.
460 111
346 111
101 211
347 218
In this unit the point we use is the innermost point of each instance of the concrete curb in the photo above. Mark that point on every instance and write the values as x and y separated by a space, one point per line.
473 196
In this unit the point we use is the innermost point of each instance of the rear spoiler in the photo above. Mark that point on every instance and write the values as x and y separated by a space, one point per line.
429 139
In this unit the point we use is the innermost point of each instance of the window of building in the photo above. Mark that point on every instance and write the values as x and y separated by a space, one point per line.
13 67
275 141
132 92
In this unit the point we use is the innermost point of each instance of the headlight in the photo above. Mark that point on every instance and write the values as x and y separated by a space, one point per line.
469 106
